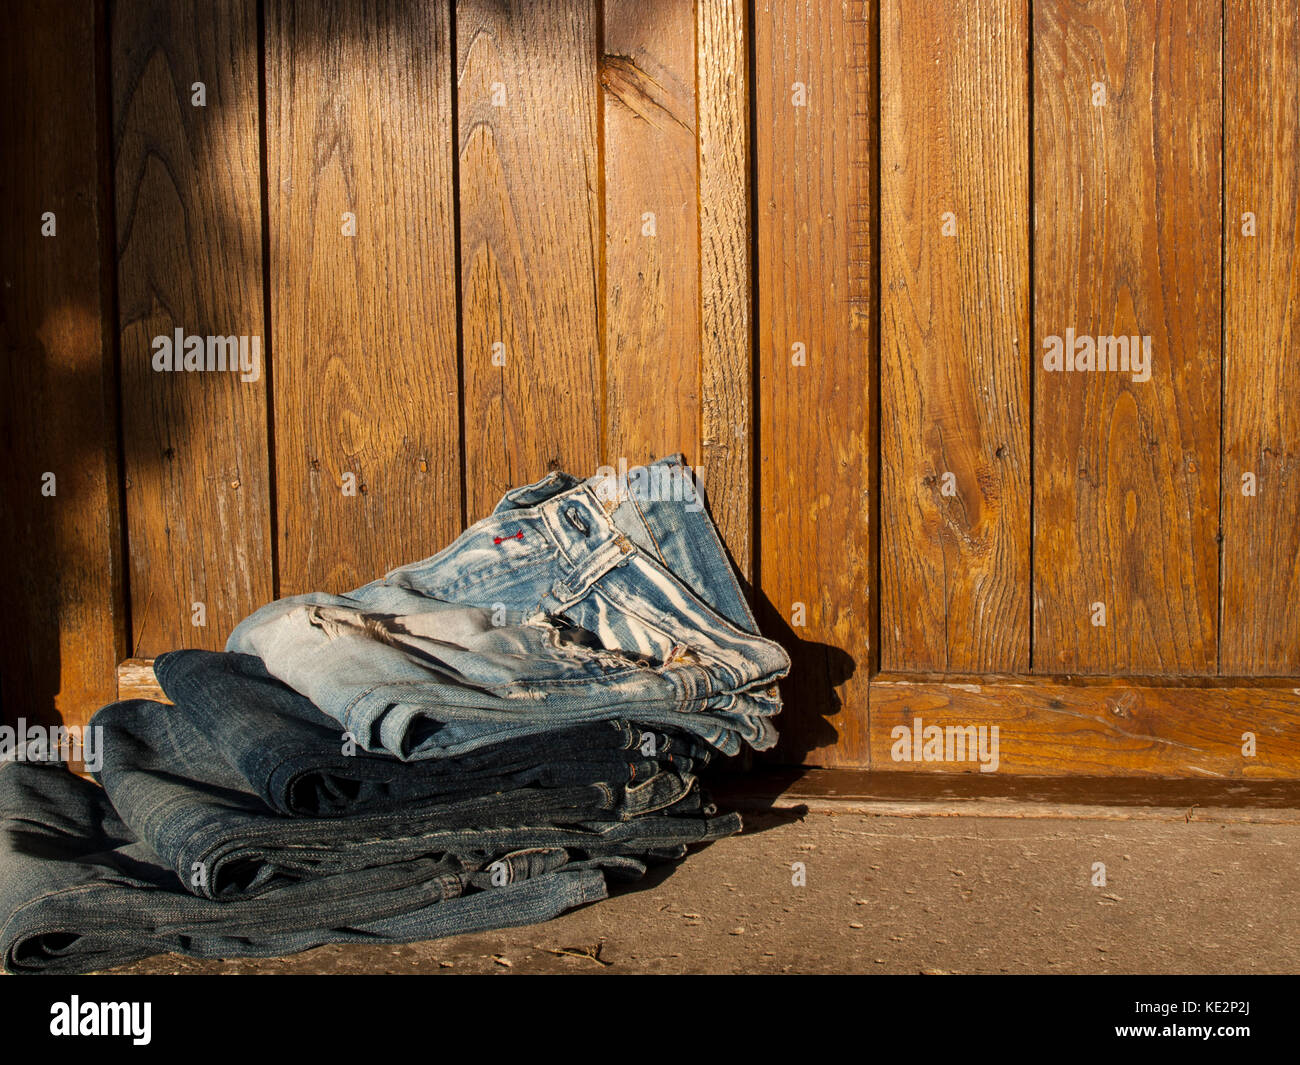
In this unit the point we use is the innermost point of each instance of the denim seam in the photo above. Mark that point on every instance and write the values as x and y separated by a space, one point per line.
739 635
557 682
462 588
43 900
712 531
362 844
415 837
636 503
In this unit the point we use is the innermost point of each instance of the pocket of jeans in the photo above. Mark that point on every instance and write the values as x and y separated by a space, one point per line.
504 560
658 793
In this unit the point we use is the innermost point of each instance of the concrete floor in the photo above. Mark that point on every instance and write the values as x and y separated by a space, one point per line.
905 894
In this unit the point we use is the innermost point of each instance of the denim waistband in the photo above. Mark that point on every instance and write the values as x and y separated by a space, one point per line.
663 513
597 523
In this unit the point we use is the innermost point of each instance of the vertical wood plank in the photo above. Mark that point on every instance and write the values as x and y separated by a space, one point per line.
366 384
189 258
529 228
652 321
1261 373
1127 232
815 155
63 626
726 311
954 347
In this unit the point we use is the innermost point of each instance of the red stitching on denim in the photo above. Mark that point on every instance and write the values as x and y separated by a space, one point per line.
498 540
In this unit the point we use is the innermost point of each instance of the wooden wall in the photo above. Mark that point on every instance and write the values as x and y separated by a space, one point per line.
817 248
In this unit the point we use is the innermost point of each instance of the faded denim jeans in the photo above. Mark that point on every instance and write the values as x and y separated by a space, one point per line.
569 604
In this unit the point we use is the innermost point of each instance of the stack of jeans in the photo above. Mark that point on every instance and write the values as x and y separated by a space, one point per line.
476 741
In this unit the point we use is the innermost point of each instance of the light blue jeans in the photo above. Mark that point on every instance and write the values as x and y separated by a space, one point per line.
574 601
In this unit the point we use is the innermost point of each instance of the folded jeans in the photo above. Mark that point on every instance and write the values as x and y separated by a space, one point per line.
80 892
561 607
301 762
173 789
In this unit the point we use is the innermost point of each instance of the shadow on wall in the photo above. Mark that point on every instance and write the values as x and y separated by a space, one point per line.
810 693
60 631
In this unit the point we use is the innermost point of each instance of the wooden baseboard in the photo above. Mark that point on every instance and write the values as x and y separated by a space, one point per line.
782 792
1091 727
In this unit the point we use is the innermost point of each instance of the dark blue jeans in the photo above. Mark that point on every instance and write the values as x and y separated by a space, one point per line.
192 845
81 892
300 761
177 853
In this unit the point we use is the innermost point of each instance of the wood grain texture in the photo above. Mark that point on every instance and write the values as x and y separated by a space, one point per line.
530 248
189 258
1127 243
726 303
817 433
360 122
954 345
64 624
652 320
136 679
1052 728
1261 331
